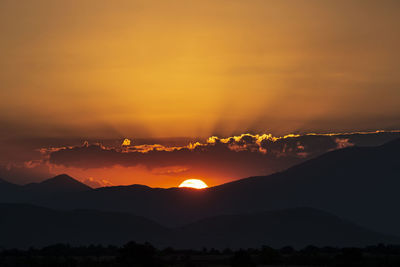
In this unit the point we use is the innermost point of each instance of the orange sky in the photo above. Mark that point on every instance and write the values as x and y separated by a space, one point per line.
197 68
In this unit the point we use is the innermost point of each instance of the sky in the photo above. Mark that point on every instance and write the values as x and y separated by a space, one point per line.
198 68
110 70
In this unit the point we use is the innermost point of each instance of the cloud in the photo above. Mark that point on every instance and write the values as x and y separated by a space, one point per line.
25 172
246 154
170 170
215 159
343 142
96 183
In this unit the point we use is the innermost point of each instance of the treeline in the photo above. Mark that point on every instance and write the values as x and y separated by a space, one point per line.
133 254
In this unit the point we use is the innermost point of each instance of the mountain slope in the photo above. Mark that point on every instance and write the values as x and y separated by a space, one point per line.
4 184
296 227
357 183
8 191
58 184
26 225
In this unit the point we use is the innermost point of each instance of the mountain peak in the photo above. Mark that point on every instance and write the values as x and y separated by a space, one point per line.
65 180
60 183
61 178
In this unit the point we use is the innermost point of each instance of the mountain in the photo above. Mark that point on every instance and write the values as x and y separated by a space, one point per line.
297 227
8 191
59 184
357 183
4 184
360 184
29 193
25 225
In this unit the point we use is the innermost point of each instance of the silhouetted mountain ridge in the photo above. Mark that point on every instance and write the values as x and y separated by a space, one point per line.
29 193
356 183
59 183
6 183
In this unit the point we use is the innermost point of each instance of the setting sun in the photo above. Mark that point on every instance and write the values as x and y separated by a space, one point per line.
194 183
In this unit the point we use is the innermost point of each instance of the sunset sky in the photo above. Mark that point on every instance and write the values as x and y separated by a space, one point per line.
101 70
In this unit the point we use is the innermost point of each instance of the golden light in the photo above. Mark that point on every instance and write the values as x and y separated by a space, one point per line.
126 142
194 183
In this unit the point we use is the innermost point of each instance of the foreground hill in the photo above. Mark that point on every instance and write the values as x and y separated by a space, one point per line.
26 225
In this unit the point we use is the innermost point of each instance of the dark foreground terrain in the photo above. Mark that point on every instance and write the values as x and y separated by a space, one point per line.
24 225
133 254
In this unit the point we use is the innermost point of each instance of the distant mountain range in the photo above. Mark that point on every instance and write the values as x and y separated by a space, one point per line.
25 225
359 184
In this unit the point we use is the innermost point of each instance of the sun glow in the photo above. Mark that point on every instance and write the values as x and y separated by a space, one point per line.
194 183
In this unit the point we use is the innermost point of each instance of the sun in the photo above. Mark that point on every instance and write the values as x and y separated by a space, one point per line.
194 183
